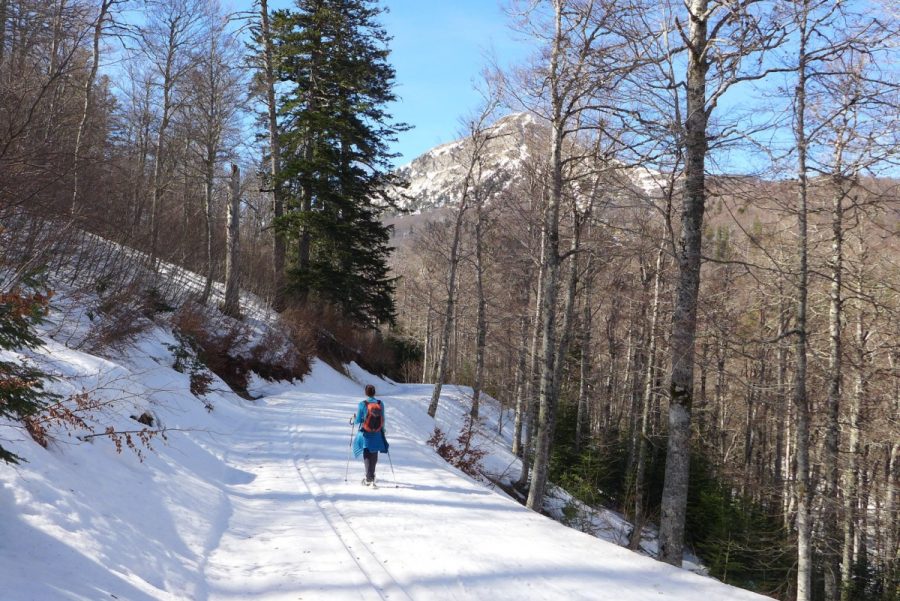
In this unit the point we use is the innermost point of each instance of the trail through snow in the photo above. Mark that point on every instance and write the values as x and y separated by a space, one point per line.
258 503
299 530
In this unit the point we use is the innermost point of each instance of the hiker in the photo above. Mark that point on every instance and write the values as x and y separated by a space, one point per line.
370 439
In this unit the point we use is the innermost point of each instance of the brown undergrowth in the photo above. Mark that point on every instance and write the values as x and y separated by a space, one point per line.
462 455
225 347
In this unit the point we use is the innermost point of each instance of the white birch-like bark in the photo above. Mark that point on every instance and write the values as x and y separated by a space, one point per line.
481 311
584 368
850 475
802 492
531 386
520 387
550 267
426 347
479 139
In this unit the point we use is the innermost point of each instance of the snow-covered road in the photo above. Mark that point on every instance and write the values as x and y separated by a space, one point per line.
254 501
299 530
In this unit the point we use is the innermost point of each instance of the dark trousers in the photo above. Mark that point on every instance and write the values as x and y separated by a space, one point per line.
371 459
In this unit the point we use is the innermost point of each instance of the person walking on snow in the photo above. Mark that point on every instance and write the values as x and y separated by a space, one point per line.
370 438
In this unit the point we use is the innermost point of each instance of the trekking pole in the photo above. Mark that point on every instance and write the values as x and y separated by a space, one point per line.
393 475
349 450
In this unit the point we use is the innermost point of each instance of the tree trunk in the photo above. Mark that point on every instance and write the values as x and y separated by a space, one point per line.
831 442
802 491
781 411
233 255
54 68
209 167
649 380
892 551
426 354
156 211
450 308
850 474
471 184
565 327
610 381
278 250
523 377
4 4
584 386
521 387
57 38
684 321
138 197
550 262
532 385
481 318
88 97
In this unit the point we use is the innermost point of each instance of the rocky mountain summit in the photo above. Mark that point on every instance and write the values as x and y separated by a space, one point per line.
436 177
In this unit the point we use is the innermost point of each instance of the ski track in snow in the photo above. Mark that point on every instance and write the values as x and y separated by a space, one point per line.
413 541
381 580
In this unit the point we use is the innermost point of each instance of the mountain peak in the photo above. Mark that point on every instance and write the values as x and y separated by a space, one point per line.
436 177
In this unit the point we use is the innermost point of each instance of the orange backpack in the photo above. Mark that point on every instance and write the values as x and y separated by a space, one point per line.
373 421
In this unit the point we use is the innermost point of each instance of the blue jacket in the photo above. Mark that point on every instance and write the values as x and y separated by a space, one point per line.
374 441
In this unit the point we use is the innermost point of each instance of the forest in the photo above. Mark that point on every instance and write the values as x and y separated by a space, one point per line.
667 242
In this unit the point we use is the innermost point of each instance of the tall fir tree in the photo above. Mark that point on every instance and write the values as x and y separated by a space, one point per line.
334 132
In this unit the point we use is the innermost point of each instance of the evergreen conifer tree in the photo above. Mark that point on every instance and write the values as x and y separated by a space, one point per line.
22 391
335 163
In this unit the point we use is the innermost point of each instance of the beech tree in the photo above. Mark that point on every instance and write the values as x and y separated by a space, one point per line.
720 38
267 73
168 41
232 305
216 102
472 189
103 14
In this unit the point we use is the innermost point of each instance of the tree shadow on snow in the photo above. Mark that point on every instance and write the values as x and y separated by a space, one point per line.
47 568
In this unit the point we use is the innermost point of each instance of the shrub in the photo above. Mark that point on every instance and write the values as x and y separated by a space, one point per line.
75 413
278 356
323 331
222 345
154 302
462 455
187 362
199 348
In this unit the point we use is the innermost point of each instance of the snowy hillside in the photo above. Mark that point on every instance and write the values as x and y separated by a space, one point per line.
250 501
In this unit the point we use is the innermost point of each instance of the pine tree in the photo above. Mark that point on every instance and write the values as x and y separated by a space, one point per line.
335 162
22 393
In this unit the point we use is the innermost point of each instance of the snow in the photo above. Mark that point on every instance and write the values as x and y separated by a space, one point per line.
257 499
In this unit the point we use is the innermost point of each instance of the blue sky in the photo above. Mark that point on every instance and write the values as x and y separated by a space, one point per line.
439 50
